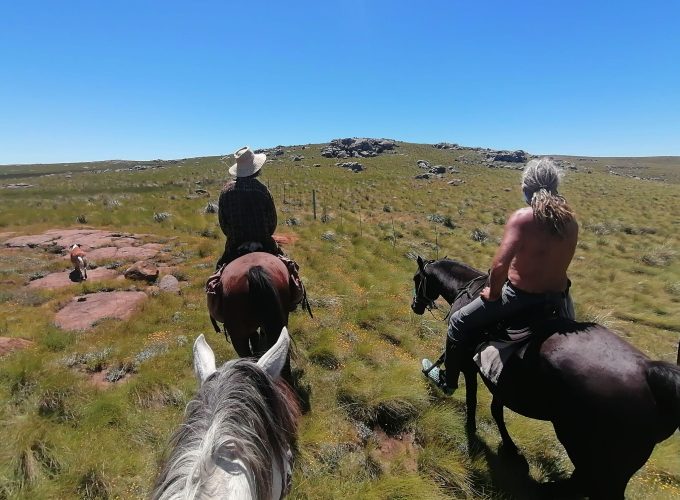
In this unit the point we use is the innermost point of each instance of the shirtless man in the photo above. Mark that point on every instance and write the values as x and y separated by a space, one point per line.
529 269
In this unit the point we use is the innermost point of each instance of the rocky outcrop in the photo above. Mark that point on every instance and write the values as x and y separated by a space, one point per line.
518 156
357 148
447 145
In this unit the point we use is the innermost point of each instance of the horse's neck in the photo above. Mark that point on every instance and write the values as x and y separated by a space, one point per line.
452 277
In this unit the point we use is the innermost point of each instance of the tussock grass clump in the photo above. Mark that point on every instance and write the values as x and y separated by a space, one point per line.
660 256
161 216
391 402
444 220
479 235
94 485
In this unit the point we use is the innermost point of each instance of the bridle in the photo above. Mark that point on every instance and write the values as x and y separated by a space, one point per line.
420 297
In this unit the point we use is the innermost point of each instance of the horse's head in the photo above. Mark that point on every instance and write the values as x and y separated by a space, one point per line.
239 433
425 288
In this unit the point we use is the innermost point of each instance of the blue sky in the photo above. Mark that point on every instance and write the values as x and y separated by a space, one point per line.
138 79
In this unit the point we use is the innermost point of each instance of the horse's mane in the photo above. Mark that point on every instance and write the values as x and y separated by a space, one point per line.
461 270
239 412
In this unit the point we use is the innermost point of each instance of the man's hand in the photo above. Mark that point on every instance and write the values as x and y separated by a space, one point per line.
486 295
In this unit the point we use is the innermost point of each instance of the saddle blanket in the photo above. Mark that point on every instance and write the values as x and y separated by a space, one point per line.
492 356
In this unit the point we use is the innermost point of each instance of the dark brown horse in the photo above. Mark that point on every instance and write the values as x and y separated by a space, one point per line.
609 403
252 299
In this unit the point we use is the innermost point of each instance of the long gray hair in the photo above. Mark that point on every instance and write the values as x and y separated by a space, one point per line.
239 412
540 181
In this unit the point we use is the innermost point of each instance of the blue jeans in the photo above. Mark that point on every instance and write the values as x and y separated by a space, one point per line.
467 323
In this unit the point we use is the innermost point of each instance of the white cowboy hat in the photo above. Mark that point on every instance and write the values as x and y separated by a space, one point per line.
247 162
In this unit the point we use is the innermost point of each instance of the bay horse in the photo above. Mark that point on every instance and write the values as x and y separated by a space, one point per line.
608 402
252 299
239 434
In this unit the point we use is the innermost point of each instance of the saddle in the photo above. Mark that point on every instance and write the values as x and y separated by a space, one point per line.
506 338
298 293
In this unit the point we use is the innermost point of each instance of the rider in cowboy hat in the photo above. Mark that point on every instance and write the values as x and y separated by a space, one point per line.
246 208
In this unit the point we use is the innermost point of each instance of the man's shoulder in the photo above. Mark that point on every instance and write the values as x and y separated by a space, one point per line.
521 217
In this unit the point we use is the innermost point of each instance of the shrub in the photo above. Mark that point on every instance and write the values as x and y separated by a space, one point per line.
81 219
161 216
210 208
660 256
479 235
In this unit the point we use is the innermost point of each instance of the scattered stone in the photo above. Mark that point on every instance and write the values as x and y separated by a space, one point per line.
453 170
211 208
328 236
298 158
456 182
85 311
357 148
18 185
203 192
169 284
423 164
11 344
424 176
142 270
317 164
438 169
352 165
63 279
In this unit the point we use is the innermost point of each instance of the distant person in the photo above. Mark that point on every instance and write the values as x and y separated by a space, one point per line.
530 266
246 210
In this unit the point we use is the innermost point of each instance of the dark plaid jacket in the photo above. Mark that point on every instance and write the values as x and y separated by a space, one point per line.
246 212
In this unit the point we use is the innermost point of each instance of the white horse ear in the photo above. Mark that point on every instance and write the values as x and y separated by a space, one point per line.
204 359
274 359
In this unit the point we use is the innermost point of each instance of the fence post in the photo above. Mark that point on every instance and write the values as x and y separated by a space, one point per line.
314 202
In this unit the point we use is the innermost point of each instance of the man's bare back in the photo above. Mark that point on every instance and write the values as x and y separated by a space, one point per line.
541 257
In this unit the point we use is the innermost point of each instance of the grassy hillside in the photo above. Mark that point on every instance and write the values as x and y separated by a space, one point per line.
375 429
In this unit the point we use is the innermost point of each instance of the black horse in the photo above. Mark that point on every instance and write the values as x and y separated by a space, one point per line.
609 403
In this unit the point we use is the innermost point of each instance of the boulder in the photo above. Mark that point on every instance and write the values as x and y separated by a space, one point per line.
446 145
142 270
438 169
169 284
423 164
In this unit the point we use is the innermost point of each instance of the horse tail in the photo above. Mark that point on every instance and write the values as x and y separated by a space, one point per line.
664 381
266 301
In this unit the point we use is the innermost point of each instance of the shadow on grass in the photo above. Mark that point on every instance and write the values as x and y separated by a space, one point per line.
508 473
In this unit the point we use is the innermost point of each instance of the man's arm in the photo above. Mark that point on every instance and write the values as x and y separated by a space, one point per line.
271 213
504 255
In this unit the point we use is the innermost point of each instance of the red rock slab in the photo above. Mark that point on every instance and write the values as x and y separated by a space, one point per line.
9 344
84 311
125 253
30 240
5 235
61 280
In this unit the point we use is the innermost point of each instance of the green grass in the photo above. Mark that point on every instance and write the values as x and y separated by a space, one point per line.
359 355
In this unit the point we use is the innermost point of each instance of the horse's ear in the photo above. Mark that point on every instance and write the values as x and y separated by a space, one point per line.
275 358
204 360
421 264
